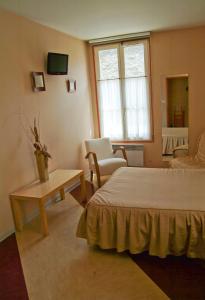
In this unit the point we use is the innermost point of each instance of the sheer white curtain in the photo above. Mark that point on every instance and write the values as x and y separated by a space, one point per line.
137 108
110 109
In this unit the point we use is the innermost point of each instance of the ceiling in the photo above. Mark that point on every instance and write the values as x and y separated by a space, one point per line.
88 19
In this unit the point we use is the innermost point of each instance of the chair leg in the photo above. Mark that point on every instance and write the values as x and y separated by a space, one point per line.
98 179
92 189
97 170
91 176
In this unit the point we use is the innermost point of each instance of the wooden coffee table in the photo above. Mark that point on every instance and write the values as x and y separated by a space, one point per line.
40 192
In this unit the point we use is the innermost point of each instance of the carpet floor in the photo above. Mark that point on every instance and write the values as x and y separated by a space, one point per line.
181 278
12 283
63 267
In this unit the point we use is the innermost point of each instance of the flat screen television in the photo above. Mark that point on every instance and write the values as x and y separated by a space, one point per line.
57 64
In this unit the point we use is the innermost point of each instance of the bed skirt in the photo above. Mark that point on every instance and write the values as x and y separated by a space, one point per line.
160 232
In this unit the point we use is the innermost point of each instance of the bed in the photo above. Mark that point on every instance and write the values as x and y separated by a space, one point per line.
158 210
173 137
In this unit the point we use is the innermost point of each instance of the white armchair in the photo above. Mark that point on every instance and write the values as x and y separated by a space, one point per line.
102 161
195 162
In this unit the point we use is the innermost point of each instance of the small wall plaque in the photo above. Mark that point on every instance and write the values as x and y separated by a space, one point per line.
38 81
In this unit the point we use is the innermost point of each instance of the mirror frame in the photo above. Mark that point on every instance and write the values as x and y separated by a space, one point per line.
164 94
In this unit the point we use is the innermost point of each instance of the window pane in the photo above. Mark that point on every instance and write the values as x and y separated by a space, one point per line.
110 109
108 64
134 60
137 110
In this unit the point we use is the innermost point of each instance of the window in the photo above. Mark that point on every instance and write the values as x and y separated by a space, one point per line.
122 74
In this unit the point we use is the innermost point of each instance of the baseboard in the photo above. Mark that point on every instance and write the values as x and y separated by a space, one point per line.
36 212
6 235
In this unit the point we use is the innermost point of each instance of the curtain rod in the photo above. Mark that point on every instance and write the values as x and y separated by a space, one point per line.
138 35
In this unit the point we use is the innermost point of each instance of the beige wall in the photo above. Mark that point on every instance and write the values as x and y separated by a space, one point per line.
175 52
65 119
178 52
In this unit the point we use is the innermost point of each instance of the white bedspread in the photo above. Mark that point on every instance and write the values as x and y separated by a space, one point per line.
159 210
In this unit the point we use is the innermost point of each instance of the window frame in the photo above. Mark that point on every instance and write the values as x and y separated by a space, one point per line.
121 66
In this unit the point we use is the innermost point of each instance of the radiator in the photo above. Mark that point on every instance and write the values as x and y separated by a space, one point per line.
135 154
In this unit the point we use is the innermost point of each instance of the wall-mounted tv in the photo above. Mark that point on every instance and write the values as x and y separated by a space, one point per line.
57 64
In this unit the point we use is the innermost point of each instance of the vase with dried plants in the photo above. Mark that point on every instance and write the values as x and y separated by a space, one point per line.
41 154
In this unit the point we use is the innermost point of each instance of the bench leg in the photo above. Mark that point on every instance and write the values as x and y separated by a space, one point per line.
18 218
43 217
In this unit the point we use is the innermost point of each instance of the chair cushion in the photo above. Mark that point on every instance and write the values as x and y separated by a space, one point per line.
109 165
187 162
102 147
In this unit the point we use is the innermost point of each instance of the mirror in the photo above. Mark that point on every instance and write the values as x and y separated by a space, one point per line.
175 111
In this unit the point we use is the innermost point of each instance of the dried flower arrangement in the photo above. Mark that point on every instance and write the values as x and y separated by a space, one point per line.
41 153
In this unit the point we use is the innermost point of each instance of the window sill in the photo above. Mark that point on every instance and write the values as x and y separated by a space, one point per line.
132 142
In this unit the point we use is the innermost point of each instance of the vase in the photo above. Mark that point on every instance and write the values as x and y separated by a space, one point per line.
42 165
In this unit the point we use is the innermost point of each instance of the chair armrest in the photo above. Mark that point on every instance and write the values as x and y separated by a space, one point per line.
97 170
121 148
91 153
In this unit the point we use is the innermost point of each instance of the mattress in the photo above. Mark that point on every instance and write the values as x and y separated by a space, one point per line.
158 210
